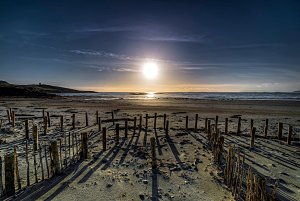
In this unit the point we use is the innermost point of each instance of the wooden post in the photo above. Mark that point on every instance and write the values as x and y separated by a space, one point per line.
290 134
167 128
86 119
99 124
35 136
13 118
46 160
45 125
186 122
104 138
113 117
196 123
43 113
165 118
0 123
97 117
155 116
146 126
252 137
9 167
73 121
8 117
280 125
26 129
41 162
140 125
35 164
134 125
55 165
1 184
216 124
226 126
84 145
17 168
61 123
27 163
117 133
49 120
126 128
251 124
153 153
206 121
266 127
238 132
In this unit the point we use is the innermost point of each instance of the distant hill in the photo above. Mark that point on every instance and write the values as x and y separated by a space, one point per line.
34 90
297 91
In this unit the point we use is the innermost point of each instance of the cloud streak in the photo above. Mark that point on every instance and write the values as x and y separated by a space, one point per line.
187 39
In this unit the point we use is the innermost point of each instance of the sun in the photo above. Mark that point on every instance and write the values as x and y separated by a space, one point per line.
150 70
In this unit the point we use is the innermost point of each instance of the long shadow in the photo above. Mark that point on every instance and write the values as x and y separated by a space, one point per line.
158 143
126 150
137 138
116 151
174 150
154 185
145 138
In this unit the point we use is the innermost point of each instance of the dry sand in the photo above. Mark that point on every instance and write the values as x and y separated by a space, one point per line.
185 170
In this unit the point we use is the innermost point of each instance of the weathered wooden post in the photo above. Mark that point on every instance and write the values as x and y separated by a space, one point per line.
9 168
134 125
117 133
113 117
99 124
167 128
43 113
84 145
104 138
35 137
8 116
280 126
165 118
61 123
208 130
46 160
226 126
126 128
41 162
27 163
266 127
0 123
55 164
216 123
290 134
155 116
146 126
196 123
187 123
73 121
1 184
86 119
206 121
97 117
153 153
251 124
252 137
26 129
140 125
45 125
13 118
49 120
17 168
238 132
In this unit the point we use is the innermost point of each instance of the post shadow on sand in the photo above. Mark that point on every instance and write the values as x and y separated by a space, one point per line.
154 185
157 143
126 150
145 137
174 150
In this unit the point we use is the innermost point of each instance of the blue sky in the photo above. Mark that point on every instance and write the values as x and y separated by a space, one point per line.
198 46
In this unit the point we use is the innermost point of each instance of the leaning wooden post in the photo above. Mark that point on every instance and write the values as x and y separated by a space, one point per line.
17 168
55 164
97 117
35 136
266 127
117 133
99 124
126 128
252 137
196 123
8 116
165 118
280 125
84 145
45 125
238 132
134 125
153 153
146 126
26 129
290 134
61 123
104 138
86 119
13 118
9 168
155 116
186 122
73 121
140 125
167 128
226 126
216 124
49 120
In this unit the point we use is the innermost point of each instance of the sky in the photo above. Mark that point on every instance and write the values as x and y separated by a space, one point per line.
202 45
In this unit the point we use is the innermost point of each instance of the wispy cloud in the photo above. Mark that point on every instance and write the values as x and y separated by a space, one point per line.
187 39
254 45
102 54
32 33
107 29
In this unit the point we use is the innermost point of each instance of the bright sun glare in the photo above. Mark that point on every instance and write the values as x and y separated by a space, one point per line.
150 70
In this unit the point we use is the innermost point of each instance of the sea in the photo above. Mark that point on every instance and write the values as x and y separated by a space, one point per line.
290 96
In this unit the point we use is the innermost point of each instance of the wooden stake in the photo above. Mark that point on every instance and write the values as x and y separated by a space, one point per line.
134 125
45 125
17 168
290 134
8 117
26 129
66 154
76 146
9 167
165 118
280 126
35 169
97 117
60 154
104 138
196 123
27 162
126 128
140 125
226 126
73 147
13 118
49 120
155 116
46 160
0 123
35 136
251 125
153 153
41 162
99 124
43 113
266 127
86 119
84 146
238 132
186 122
146 126
167 128
73 121
216 123
55 164
113 117
1 184
117 133
62 123
252 137
206 121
